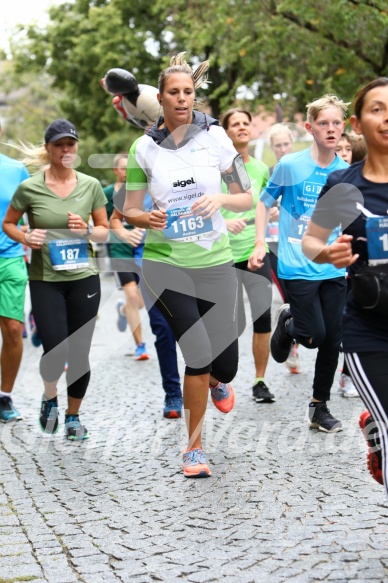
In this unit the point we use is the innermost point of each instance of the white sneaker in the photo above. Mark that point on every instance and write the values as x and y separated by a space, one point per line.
347 387
292 362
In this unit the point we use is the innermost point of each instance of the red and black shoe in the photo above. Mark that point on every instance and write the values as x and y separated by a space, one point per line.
373 458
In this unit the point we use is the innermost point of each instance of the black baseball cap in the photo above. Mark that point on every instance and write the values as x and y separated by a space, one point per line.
60 128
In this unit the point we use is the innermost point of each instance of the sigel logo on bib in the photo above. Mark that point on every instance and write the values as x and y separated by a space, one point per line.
183 180
183 183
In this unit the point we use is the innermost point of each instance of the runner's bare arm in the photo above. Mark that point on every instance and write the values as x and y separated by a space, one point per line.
34 238
134 215
314 246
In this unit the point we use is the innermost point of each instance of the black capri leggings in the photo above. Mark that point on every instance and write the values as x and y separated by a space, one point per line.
65 314
200 305
258 285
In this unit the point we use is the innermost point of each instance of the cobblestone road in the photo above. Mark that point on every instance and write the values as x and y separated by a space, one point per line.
284 503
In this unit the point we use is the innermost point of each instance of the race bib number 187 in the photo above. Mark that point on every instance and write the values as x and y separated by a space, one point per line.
68 254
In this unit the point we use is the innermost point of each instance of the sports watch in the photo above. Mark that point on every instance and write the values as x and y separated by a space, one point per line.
89 231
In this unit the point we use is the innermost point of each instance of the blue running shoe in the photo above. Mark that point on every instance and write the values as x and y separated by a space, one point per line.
74 430
8 411
173 407
48 418
35 339
141 352
121 319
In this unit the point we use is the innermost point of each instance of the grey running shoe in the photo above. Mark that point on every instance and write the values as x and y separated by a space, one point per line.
347 387
293 362
74 430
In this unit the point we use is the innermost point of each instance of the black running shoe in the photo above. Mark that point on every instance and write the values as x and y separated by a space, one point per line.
281 342
262 394
321 418
48 418
74 430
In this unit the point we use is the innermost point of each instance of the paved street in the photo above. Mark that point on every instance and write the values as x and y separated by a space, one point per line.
284 504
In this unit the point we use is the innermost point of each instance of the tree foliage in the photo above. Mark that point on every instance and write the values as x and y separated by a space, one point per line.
294 49
273 51
30 106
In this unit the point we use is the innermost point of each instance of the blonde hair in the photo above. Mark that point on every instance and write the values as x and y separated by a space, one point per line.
178 64
118 157
278 128
32 155
315 107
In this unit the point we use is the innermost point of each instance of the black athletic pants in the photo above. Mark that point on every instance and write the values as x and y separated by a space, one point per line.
316 308
369 372
65 314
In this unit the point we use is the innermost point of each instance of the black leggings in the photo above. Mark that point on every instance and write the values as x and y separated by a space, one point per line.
200 305
258 285
65 314
369 372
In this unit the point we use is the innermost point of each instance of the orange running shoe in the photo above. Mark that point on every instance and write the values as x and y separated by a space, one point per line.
223 397
194 464
373 458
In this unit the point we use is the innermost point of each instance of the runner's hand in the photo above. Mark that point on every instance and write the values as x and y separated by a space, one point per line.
76 224
207 205
256 259
274 214
35 238
135 236
158 220
340 252
235 226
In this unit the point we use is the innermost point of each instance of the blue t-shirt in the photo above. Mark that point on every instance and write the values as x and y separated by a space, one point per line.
12 173
298 181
